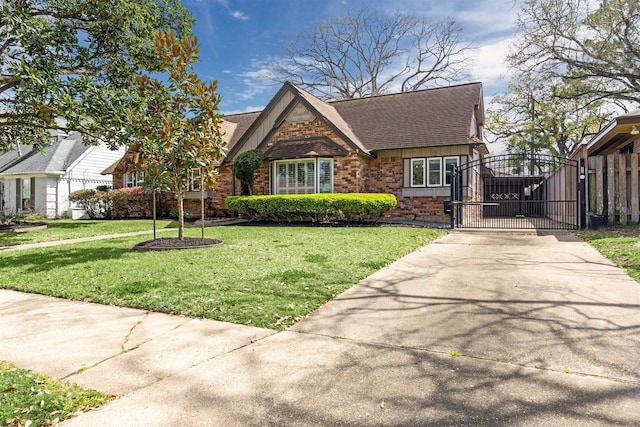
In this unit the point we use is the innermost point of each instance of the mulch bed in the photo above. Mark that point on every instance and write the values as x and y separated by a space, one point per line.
171 243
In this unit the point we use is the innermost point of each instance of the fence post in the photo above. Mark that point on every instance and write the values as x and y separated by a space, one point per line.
582 173
454 205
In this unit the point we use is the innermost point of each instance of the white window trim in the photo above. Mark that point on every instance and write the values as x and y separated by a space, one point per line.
444 164
443 170
330 161
136 178
316 163
195 180
439 159
424 172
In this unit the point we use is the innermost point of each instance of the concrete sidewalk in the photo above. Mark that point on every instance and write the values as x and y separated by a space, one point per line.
546 328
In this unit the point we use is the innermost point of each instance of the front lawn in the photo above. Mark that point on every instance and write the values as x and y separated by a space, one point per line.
29 399
61 229
265 276
620 244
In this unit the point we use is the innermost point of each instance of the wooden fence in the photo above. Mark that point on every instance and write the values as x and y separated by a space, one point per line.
614 189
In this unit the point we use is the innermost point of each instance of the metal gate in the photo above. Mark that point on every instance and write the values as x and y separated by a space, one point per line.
517 191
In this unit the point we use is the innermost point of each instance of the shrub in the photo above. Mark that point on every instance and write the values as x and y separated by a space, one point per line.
133 202
313 207
245 166
95 204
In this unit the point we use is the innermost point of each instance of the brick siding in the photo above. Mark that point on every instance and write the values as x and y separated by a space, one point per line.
353 173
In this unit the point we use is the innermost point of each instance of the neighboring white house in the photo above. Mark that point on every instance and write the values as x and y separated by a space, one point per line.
40 182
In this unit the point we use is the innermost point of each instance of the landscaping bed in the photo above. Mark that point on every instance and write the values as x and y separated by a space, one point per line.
169 243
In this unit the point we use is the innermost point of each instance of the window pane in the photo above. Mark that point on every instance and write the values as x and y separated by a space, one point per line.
282 177
295 177
448 161
26 188
194 185
417 172
325 176
435 171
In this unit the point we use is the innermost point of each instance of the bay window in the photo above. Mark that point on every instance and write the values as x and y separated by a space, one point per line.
303 176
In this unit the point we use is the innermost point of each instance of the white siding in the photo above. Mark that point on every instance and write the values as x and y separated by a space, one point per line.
51 197
85 173
40 202
10 196
86 170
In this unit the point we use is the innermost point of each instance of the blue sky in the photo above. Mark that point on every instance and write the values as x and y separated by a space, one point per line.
238 37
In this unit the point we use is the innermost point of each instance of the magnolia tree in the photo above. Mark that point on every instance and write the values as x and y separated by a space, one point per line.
70 65
176 126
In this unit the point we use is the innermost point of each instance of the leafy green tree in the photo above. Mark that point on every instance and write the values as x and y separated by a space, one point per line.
176 126
245 166
591 45
533 116
71 64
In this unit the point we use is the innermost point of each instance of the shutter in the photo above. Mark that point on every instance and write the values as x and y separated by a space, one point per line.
32 196
18 195
406 174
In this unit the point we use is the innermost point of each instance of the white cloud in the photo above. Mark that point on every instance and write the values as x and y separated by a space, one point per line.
234 13
489 63
258 80
247 109
239 15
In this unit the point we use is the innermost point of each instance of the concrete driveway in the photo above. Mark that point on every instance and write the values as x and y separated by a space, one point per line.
488 328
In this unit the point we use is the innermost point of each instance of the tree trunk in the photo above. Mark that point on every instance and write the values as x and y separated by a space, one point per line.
154 214
202 210
180 196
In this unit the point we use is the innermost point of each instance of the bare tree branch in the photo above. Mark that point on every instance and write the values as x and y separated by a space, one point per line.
367 53
571 40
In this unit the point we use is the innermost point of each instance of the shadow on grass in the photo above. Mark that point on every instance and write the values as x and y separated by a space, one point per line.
47 260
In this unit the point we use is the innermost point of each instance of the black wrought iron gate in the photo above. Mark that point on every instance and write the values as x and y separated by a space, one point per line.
517 191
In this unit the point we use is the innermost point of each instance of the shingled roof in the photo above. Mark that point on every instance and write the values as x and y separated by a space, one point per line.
425 118
242 122
55 158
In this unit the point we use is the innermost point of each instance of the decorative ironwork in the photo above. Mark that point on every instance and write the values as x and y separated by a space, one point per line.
515 191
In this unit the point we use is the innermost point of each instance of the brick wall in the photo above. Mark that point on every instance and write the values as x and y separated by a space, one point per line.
386 176
353 173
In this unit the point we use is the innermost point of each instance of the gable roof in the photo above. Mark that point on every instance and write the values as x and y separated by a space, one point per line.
280 108
54 159
425 118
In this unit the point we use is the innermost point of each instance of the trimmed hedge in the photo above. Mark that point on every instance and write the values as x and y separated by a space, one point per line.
313 207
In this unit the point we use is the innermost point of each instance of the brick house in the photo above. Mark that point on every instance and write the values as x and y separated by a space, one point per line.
400 144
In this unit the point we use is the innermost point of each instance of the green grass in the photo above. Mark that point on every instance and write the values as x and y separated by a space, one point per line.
27 398
264 276
619 244
70 229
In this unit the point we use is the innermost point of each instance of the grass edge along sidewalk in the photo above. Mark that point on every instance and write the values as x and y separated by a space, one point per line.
619 244
264 276
65 229
30 399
